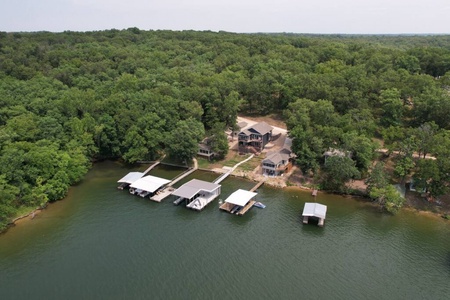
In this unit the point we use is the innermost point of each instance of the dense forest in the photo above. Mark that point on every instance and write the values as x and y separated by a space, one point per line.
68 99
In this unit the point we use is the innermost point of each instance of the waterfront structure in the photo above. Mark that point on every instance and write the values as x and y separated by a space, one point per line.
205 148
147 185
133 176
168 190
129 179
314 211
277 163
239 202
197 193
254 138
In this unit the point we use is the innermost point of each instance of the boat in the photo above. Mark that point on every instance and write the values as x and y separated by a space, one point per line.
259 205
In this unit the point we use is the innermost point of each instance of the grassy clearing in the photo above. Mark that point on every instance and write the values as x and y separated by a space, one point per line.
203 163
251 164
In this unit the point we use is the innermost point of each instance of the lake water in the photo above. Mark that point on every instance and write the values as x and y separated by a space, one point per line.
103 243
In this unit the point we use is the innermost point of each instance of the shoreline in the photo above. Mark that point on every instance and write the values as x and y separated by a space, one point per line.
275 184
245 175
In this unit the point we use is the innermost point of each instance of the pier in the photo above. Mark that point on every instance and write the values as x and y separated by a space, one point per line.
131 177
241 201
168 190
257 185
197 193
151 167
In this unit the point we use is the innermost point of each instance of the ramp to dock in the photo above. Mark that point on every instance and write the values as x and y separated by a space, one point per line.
151 167
168 190
257 185
225 175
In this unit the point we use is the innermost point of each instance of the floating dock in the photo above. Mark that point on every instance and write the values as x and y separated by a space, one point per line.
162 194
168 190
197 193
240 201
129 179
314 211
148 185
134 176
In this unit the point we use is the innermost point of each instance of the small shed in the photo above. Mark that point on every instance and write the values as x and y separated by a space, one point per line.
316 211
239 202
148 184
129 179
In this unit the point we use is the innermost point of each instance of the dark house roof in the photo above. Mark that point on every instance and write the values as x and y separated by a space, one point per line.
262 128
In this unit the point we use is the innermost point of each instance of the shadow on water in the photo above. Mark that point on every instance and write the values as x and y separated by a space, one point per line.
240 221
312 228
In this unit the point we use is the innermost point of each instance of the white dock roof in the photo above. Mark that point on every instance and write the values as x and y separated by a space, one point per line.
131 177
149 183
193 187
315 210
240 197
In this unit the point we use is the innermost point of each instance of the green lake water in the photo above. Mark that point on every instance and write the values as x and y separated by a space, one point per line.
103 243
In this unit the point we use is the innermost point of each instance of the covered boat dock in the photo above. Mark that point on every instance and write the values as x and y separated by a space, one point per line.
197 193
239 202
147 185
129 179
315 211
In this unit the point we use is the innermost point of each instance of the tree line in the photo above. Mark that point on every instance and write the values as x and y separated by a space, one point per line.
71 98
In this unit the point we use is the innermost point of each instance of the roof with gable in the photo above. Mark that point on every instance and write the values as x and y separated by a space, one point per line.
262 128
149 183
315 210
130 177
193 187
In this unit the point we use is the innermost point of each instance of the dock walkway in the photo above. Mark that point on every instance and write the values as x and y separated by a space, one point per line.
151 167
246 208
257 185
225 175
168 190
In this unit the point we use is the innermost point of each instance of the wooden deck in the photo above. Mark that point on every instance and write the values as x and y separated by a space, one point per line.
246 208
257 185
159 196
226 206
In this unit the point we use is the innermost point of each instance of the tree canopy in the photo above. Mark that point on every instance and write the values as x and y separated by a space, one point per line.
69 98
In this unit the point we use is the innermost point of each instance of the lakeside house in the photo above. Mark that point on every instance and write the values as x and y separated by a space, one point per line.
279 162
205 149
254 138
